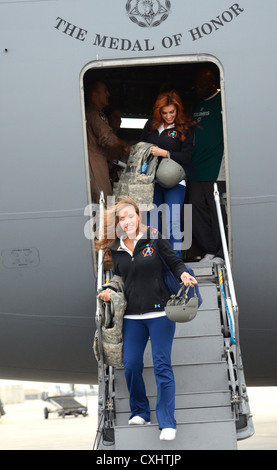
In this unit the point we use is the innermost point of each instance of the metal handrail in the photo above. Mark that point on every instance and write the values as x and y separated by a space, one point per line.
100 252
104 373
234 304
225 249
98 320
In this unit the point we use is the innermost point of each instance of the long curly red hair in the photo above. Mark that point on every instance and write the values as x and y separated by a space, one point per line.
182 122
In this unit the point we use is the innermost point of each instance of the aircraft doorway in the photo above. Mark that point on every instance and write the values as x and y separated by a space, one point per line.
134 86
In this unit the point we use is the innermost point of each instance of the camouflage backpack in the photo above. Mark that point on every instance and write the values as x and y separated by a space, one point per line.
133 183
112 313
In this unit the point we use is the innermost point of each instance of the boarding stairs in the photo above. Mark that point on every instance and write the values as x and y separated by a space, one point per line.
212 409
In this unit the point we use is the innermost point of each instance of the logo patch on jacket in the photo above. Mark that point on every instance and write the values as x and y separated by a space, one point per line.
147 251
173 134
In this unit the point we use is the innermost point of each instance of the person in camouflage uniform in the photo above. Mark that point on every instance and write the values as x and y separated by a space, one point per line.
101 140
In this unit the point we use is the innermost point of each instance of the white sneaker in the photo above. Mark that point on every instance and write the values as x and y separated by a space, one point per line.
138 420
168 434
207 257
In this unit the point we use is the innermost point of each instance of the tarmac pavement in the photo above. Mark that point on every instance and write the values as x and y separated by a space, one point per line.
24 427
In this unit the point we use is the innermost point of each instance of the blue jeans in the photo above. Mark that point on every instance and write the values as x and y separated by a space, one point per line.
135 336
169 197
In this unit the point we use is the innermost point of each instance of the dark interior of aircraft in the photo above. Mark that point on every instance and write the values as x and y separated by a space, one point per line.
133 90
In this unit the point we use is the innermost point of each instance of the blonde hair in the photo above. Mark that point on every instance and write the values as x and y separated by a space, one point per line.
112 229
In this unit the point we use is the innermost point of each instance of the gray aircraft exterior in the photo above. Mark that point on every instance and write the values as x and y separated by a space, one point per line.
47 275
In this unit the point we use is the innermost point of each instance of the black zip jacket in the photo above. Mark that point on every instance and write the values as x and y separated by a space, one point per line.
169 139
142 273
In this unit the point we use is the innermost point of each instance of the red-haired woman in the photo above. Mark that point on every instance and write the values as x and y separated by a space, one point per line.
170 131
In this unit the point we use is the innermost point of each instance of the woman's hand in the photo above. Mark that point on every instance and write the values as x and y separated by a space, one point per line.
188 280
105 295
157 152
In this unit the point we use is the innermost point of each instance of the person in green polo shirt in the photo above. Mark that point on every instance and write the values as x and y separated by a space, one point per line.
208 165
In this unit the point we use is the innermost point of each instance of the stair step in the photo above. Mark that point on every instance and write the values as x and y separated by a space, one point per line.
209 295
203 269
206 322
184 401
206 435
192 350
186 415
189 378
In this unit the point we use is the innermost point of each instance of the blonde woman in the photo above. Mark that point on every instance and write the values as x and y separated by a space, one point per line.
137 261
